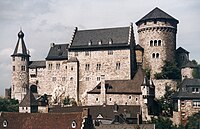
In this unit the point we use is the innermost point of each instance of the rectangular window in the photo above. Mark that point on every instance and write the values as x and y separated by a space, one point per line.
98 78
196 103
118 66
195 90
87 78
76 54
13 68
50 66
22 58
22 68
53 79
98 67
72 68
110 52
87 53
63 78
87 67
57 65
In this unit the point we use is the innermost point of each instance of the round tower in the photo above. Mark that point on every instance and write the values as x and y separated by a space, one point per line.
20 73
157 35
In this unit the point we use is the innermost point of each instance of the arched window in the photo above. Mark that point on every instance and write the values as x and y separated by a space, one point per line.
157 55
151 43
33 88
155 42
159 42
153 55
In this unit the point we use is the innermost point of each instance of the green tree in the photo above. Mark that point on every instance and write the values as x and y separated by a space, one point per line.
9 105
164 123
193 121
196 71
66 101
169 71
147 72
166 102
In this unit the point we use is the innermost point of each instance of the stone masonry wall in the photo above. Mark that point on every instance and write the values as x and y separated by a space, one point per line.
161 84
19 78
89 78
186 73
162 32
111 99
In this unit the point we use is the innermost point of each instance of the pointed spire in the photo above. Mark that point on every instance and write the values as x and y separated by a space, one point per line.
20 48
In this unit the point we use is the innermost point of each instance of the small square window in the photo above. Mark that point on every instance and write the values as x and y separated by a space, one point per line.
87 53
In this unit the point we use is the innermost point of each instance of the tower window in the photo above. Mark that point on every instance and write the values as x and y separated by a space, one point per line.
153 55
157 55
159 42
13 68
71 78
72 68
155 42
117 65
98 67
13 58
87 67
22 68
151 43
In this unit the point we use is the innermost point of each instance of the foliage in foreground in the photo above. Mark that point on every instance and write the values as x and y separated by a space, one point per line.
9 105
169 71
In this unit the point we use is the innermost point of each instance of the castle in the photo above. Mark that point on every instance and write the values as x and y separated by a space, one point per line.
102 66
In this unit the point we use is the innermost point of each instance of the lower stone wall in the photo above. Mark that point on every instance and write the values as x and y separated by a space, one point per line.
160 85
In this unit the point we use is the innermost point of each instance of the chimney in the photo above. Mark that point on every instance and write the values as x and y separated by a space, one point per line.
130 32
103 90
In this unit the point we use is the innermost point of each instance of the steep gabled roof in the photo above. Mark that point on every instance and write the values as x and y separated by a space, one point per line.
106 111
108 37
122 86
20 49
181 50
37 64
138 47
28 100
190 64
157 13
185 92
58 52
41 120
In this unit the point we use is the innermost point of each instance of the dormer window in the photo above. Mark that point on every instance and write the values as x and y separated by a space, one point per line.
90 43
110 41
100 42
195 90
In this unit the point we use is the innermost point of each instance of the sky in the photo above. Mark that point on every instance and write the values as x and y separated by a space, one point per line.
53 21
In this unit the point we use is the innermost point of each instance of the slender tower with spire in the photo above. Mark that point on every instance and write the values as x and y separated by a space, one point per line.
20 73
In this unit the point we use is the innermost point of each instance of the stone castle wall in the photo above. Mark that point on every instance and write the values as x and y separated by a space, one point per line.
186 73
160 85
159 43
111 99
20 78
89 77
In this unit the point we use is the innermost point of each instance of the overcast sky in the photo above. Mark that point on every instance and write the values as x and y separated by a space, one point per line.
47 21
